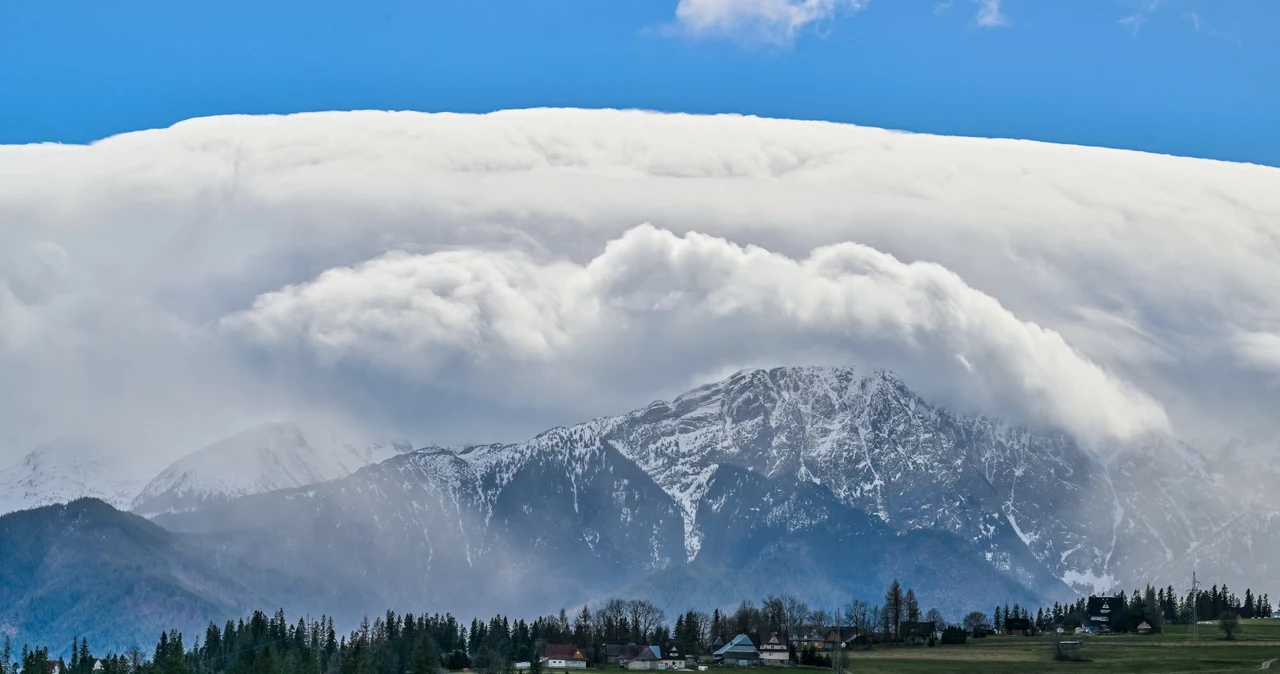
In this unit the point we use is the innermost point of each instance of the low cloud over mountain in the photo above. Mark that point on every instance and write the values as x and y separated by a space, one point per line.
463 278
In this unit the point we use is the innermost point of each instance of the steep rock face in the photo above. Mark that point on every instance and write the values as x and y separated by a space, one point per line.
879 447
63 471
265 458
766 470
494 531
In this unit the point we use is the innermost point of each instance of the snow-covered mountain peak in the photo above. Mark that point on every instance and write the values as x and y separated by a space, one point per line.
263 458
63 470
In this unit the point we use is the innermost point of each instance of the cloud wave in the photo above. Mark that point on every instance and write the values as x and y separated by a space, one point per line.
126 264
410 312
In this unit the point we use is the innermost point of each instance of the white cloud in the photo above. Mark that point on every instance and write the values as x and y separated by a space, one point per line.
405 268
989 14
775 21
1135 21
408 313
1260 349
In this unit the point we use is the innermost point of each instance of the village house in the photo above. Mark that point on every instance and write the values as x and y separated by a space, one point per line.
739 651
1144 627
636 656
563 656
673 657
1018 627
1099 612
918 632
775 649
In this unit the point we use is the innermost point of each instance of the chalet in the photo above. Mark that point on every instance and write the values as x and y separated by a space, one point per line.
673 657
739 651
1099 612
1018 627
1144 627
775 649
564 656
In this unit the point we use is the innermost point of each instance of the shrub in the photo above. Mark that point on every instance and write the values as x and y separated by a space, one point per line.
953 635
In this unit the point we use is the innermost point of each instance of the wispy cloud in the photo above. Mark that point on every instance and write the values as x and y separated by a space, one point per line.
1194 19
769 21
989 14
1135 21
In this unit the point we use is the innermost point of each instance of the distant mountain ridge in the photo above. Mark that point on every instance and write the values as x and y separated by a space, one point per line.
264 458
62 471
86 569
822 482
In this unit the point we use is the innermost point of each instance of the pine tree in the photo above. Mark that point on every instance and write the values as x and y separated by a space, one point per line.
912 607
997 619
1153 613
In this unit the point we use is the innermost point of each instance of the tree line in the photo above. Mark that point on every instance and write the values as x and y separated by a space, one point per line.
428 644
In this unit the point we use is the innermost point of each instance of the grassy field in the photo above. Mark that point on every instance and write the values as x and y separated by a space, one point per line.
1258 642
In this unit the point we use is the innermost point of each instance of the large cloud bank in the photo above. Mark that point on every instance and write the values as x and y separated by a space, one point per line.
480 277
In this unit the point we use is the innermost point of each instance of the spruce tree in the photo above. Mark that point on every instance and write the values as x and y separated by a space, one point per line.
893 604
912 607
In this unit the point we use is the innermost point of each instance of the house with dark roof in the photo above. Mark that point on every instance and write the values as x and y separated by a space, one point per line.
918 632
1100 612
564 656
775 649
673 656
739 651
1018 627
646 657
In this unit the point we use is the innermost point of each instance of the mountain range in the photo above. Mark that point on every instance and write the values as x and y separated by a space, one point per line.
825 483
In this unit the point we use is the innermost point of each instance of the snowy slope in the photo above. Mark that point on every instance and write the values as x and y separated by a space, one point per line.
62 471
1036 502
265 458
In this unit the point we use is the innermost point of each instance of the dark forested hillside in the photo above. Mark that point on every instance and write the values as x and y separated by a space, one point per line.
86 569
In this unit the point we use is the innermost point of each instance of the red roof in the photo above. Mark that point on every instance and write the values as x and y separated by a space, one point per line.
564 652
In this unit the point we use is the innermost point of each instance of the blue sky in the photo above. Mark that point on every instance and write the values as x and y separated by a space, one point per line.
1187 77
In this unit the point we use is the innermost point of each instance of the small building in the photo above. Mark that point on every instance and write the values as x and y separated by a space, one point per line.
1018 627
1144 627
612 652
673 656
1099 612
918 632
739 651
636 656
523 665
564 656
775 649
